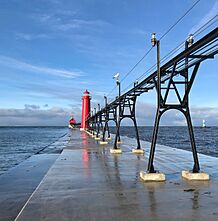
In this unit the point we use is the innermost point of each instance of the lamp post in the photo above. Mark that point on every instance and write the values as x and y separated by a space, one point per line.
136 83
92 120
105 101
95 119
119 90
116 77
190 40
98 121
154 43
188 43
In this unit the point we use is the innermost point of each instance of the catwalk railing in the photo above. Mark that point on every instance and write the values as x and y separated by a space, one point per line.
176 77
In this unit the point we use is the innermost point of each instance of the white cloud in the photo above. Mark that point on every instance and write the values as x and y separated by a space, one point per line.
72 90
213 12
16 64
68 21
31 106
80 23
145 113
29 37
32 115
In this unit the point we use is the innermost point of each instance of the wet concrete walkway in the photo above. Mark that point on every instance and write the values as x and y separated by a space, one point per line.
17 185
88 183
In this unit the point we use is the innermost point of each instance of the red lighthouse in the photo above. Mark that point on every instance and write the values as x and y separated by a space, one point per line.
85 109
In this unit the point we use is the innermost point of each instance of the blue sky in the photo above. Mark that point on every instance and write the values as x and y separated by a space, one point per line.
52 50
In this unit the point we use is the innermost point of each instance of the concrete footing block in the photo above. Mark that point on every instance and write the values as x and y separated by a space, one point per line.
97 138
152 177
109 138
138 151
116 151
188 175
103 142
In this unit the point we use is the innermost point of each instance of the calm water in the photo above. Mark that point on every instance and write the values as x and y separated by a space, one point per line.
19 143
178 137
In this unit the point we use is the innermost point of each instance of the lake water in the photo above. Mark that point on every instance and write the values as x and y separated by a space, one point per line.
178 137
19 143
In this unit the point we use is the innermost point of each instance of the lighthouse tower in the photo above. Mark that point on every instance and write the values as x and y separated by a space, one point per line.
85 109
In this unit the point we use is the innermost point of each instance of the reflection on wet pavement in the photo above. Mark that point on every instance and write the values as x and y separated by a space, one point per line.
92 184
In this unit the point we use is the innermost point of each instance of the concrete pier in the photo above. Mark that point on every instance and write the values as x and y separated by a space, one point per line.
87 182
17 185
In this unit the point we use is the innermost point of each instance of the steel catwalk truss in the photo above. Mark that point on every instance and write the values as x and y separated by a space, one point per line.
185 66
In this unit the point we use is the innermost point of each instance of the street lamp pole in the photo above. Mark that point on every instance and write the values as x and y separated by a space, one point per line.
116 77
119 88
105 101
117 138
155 42
95 118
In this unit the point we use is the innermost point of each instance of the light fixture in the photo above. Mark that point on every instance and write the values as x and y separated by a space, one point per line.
136 83
190 40
153 39
116 77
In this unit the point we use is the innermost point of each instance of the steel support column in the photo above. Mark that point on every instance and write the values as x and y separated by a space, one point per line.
110 115
127 110
182 105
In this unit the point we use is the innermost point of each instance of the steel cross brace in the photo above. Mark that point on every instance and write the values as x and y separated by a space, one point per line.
127 110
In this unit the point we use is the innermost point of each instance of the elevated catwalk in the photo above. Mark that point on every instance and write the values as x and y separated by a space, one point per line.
87 182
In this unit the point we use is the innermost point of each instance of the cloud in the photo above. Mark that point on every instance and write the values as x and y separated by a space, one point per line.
31 106
210 114
29 37
80 23
87 36
145 113
65 20
206 18
72 90
20 65
32 115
